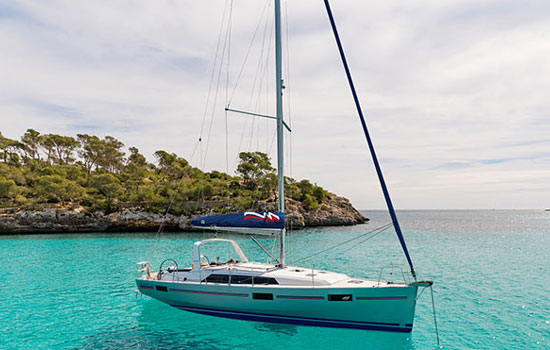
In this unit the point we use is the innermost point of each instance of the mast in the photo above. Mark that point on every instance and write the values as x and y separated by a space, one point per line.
280 131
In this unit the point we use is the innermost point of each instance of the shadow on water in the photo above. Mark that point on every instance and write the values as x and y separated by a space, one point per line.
156 326
276 328
137 338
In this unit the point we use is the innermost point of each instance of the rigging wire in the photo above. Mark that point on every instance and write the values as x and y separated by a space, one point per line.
195 149
274 245
205 113
251 130
259 67
264 73
213 71
225 23
257 84
376 231
203 156
164 216
363 241
201 187
160 230
216 95
248 51
244 130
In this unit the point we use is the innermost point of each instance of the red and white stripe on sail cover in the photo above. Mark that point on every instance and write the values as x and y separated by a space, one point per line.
266 217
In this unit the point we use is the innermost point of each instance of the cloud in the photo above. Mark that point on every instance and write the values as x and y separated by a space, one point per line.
455 93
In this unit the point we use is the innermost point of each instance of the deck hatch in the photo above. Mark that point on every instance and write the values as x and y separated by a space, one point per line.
262 296
340 297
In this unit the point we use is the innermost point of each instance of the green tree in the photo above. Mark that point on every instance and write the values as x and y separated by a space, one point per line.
135 174
7 188
56 188
102 177
252 166
310 202
31 142
9 149
63 147
269 185
105 153
108 186
319 193
48 146
4 142
170 166
112 157
166 162
90 151
137 158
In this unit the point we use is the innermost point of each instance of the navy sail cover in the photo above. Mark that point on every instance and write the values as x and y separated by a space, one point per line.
246 220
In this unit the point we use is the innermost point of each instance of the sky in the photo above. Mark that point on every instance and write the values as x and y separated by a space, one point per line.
456 94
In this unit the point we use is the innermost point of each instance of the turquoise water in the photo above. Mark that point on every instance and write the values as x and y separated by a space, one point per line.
490 270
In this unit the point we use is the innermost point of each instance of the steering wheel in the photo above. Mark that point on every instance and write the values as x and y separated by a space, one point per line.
161 272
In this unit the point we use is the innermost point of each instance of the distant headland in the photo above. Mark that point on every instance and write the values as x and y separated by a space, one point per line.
52 183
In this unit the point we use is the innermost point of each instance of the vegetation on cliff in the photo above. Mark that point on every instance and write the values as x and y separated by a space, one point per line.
96 173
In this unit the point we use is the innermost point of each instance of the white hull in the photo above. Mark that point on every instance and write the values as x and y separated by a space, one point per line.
369 305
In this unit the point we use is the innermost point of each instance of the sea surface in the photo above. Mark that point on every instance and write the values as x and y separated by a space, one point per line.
490 268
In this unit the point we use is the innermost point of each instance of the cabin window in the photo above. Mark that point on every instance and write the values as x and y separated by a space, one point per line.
265 280
161 288
262 296
340 297
236 279
239 279
217 278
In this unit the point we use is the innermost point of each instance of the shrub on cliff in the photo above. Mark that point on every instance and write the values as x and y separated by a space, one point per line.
96 173
7 188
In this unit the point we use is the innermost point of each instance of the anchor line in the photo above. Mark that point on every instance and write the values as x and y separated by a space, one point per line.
435 318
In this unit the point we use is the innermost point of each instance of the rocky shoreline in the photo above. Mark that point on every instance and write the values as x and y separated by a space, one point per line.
337 212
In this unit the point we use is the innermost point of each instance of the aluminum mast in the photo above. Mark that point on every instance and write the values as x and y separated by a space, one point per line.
280 130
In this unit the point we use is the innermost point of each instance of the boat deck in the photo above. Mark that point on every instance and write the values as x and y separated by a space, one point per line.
289 276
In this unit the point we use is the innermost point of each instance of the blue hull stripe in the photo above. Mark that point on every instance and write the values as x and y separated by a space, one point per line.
304 321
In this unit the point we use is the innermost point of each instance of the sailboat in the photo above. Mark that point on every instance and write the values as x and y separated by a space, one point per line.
276 292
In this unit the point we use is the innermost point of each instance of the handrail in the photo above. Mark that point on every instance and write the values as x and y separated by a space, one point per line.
160 273
392 267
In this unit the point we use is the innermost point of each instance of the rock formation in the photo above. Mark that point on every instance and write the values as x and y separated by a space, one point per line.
338 211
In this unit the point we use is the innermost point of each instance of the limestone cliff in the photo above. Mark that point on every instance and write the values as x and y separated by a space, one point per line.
337 211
